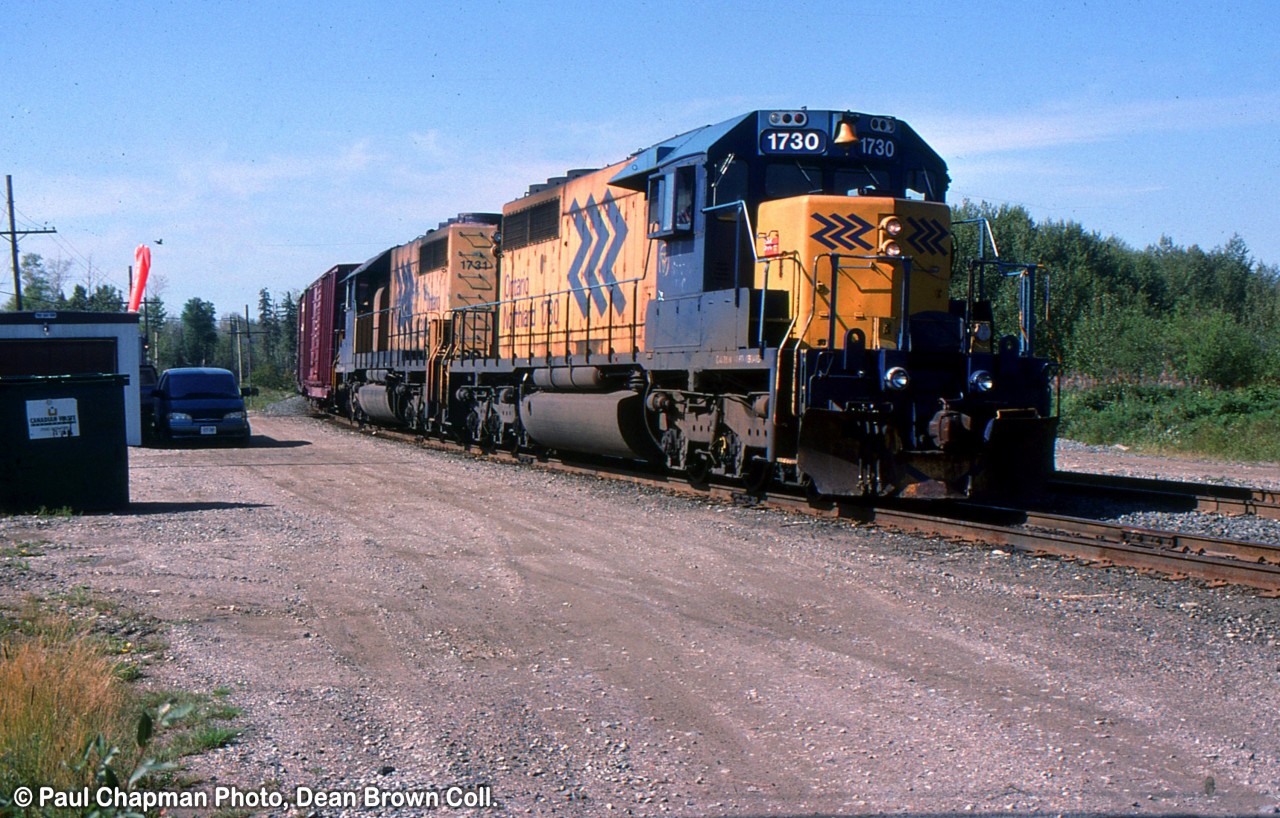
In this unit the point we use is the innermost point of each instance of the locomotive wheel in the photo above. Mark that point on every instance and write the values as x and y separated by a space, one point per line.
811 492
490 435
699 470
756 475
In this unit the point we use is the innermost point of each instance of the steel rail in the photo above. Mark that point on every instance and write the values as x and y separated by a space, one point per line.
1177 541
1228 500
1176 554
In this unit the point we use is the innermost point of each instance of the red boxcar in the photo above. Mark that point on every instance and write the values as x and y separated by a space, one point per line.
318 328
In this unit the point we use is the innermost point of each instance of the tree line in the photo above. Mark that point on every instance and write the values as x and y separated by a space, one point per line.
1161 314
262 349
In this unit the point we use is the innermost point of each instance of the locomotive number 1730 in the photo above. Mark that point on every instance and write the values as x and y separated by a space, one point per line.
780 141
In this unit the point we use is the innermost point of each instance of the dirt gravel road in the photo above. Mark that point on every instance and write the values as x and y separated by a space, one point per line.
410 620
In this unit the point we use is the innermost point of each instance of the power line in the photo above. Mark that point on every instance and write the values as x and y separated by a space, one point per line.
64 243
13 233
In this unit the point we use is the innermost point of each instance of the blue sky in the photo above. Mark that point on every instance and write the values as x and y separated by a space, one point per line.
265 142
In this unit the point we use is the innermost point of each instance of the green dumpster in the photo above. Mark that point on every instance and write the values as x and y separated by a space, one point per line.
63 443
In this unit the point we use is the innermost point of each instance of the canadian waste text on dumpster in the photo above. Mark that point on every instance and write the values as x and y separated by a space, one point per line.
52 417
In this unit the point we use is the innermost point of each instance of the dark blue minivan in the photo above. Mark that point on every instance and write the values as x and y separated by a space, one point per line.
200 402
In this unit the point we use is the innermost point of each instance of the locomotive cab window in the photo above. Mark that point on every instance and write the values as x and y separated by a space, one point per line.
671 202
860 182
921 185
785 179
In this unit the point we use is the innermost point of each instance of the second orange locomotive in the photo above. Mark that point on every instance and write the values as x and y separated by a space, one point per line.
765 299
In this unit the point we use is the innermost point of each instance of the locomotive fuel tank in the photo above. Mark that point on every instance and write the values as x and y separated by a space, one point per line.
380 403
604 423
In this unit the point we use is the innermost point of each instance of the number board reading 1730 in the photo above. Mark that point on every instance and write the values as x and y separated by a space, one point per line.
815 142
774 141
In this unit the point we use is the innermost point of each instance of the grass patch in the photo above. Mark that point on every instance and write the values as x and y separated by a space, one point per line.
23 549
14 557
132 638
1232 424
204 727
58 692
68 715
267 396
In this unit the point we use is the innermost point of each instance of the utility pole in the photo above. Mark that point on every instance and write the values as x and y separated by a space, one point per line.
235 333
248 342
244 354
13 234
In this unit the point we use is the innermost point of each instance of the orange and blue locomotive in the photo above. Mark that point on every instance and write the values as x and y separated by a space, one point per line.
763 300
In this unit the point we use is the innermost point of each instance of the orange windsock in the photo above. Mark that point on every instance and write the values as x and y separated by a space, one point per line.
142 264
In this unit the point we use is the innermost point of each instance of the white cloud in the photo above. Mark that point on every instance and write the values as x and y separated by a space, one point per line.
1085 121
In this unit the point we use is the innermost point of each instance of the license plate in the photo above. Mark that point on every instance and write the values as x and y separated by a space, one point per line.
208 430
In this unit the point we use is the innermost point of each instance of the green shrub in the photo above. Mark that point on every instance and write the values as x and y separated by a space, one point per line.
1218 350
1239 424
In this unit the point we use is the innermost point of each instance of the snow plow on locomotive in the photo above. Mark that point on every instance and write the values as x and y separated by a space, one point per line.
763 300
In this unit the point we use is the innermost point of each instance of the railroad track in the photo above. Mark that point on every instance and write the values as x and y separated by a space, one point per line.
1230 500
1177 555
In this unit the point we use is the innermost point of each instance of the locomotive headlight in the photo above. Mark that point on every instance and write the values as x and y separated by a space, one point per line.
891 225
897 379
982 381
890 248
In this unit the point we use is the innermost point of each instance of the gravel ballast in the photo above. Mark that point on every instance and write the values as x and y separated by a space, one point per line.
410 620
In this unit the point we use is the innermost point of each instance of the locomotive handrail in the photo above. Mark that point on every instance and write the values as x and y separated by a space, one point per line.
791 338
545 301
793 291
569 291
406 333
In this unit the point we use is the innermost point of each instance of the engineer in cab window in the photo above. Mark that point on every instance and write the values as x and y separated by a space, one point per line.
684 208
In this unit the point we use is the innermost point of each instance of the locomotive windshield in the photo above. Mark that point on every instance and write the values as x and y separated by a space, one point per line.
797 178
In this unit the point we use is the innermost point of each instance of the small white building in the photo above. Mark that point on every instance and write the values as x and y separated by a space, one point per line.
76 343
